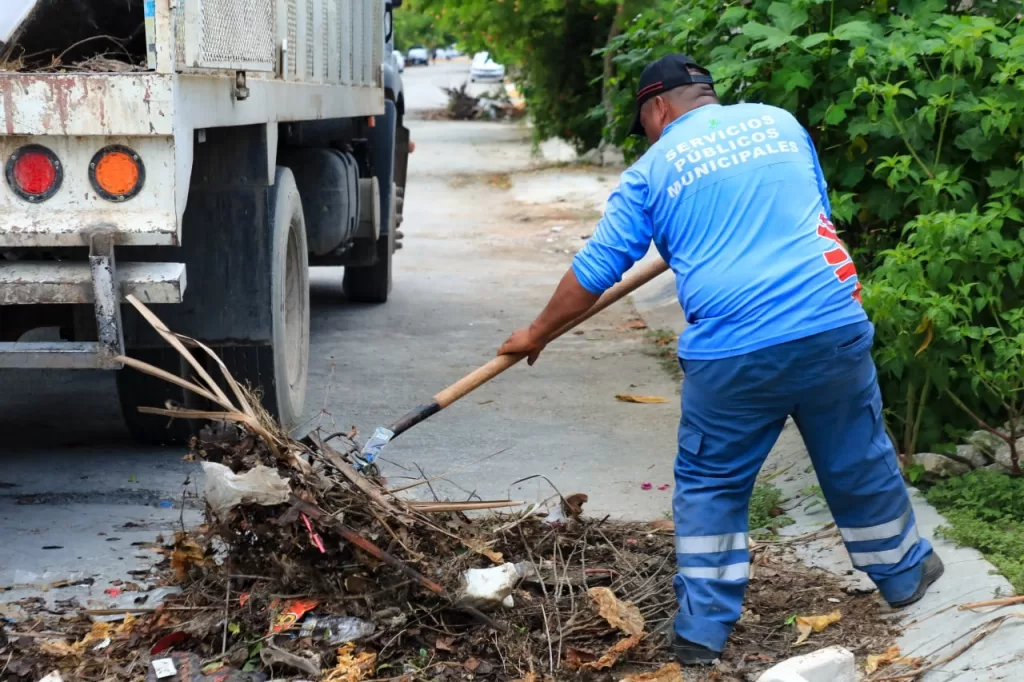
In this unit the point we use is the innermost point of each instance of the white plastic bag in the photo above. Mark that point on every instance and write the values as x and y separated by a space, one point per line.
260 485
488 588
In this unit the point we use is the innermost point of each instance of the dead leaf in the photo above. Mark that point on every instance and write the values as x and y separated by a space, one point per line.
808 624
928 330
480 547
577 658
611 657
635 324
351 668
471 664
663 526
186 554
572 505
890 657
444 644
670 672
623 615
58 648
530 677
644 399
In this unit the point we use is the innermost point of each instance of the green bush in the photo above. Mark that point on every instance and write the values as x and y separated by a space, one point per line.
917 111
985 510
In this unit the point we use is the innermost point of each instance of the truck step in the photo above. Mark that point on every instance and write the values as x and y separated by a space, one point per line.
28 282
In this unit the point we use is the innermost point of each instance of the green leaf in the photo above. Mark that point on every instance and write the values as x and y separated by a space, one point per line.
836 114
1002 177
854 30
813 39
768 37
733 16
796 79
1015 270
872 110
787 17
234 628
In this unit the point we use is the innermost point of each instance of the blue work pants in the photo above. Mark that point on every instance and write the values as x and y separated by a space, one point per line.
733 410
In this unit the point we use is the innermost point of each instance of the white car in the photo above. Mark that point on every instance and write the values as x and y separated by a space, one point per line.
399 60
417 55
484 68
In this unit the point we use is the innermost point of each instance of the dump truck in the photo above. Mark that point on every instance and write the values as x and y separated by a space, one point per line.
200 155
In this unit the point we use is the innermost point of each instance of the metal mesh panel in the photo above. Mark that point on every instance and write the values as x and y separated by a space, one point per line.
345 44
293 26
227 41
310 40
325 40
178 17
356 46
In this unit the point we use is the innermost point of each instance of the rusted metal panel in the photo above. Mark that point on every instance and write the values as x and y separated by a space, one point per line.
86 104
106 289
28 282
149 218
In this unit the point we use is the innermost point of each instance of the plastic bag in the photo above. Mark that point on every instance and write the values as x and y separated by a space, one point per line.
260 485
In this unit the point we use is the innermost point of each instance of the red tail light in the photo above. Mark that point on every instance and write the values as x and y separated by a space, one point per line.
34 173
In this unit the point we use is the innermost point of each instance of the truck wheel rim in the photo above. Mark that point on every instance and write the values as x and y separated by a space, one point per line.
294 309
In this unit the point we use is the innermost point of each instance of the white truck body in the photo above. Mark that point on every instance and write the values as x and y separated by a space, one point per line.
275 74
303 60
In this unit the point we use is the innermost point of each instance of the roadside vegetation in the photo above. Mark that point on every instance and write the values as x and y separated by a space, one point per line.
662 345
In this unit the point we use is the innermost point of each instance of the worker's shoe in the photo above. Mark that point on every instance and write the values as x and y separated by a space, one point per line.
932 570
689 653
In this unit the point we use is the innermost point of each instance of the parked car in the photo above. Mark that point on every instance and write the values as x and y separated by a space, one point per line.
441 53
484 68
399 60
417 55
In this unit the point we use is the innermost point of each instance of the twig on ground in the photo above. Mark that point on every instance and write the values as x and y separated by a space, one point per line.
982 631
1005 601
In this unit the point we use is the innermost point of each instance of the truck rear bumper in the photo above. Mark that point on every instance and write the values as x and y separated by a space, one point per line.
27 282
99 282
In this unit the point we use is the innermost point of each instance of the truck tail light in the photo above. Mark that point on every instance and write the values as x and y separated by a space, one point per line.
34 173
117 173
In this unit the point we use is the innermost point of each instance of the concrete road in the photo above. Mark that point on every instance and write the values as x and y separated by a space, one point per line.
486 240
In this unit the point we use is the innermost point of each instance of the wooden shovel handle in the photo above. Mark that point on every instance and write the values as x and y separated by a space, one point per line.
485 373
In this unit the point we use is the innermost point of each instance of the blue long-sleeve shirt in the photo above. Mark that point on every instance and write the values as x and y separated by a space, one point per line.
735 202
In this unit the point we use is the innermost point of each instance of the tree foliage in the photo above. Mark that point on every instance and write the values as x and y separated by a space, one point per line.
917 110
418 28
549 45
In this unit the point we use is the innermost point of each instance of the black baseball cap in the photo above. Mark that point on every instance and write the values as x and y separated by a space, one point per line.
666 73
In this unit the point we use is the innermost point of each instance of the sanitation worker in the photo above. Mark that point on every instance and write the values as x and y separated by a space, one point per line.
734 200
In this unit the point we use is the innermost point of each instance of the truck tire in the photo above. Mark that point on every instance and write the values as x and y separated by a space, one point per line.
137 389
372 283
280 370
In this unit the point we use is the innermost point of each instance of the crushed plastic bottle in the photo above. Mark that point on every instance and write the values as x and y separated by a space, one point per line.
381 437
336 630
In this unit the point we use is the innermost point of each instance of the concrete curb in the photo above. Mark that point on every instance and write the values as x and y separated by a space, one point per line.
933 628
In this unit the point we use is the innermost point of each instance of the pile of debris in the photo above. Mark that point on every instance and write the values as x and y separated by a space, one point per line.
462 106
309 568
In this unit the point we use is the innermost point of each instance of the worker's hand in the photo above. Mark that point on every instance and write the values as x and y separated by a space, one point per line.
523 341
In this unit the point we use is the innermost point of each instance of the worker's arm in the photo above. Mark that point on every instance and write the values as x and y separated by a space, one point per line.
569 301
621 238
